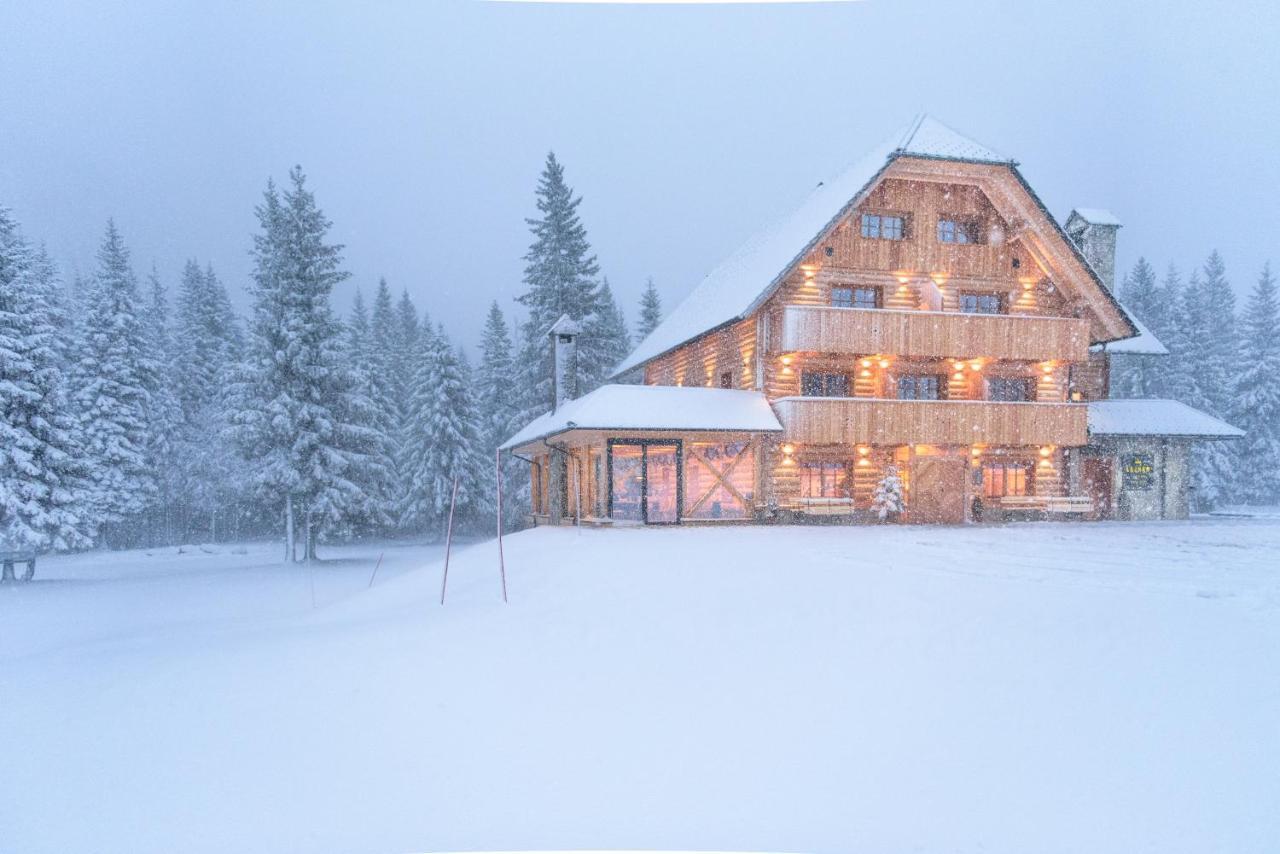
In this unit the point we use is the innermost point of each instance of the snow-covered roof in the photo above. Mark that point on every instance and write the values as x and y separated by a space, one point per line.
1096 216
1143 344
735 288
655 407
1152 417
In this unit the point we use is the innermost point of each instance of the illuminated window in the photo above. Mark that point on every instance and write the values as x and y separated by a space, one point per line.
958 231
861 297
971 303
824 479
883 227
1000 479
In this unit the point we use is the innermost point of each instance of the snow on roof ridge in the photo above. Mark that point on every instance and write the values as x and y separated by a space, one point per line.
741 281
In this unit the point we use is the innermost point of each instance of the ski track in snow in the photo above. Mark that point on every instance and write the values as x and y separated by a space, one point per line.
1035 687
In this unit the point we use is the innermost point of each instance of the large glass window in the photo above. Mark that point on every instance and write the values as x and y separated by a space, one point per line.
662 487
824 479
644 480
822 384
1000 479
719 480
883 227
628 482
1010 388
971 303
920 387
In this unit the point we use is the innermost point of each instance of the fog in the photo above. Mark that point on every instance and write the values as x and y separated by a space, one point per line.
423 125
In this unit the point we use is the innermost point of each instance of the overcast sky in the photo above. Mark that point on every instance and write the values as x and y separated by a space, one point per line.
423 125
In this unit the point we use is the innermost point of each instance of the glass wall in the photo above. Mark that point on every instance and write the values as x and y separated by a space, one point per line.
719 480
628 482
662 488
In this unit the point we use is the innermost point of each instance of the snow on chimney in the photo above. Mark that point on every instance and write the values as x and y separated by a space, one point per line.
564 361
1094 231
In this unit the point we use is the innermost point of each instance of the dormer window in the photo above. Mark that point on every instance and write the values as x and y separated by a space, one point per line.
954 230
861 297
884 227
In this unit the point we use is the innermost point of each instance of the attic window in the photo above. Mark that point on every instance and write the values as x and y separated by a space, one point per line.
951 230
883 227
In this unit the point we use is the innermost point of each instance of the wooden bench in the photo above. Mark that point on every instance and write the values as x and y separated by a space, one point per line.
1048 505
822 506
9 558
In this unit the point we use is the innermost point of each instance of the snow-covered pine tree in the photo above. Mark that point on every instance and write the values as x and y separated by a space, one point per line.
559 279
1258 394
445 439
374 409
42 496
1133 375
607 330
294 394
406 347
887 499
110 387
164 418
497 400
1164 323
1219 367
650 311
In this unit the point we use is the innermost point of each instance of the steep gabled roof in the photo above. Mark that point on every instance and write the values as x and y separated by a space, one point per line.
745 279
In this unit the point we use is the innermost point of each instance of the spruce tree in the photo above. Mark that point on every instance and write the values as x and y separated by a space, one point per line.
42 496
497 399
1138 375
607 330
111 388
372 408
1258 394
445 439
294 396
559 278
1220 367
650 311
164 418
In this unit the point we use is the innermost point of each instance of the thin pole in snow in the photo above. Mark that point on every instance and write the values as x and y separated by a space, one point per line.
375 570
502 564
448 539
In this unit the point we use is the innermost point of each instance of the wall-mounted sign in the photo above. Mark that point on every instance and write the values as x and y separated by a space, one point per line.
1138 471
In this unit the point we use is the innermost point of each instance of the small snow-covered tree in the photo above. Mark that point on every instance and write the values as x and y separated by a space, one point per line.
497 400
42 495
444 439
650 311
1258 394
1134 375
605 337
887 499
112 378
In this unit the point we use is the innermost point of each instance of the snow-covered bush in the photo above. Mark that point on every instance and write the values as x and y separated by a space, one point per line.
887 500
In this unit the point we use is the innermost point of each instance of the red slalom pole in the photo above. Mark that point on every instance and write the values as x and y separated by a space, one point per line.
502 564
448 539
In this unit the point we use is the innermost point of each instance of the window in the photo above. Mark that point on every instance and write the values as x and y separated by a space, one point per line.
861 297
920 387
820 384
971 303
958 230
883 227
1010 388
726 379
824 480
1000 479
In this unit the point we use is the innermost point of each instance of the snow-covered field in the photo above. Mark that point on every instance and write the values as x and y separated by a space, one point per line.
1039 687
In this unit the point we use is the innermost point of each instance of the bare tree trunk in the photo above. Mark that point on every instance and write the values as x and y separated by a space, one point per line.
288 529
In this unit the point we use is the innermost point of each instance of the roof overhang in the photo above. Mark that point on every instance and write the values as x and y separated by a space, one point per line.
1156 418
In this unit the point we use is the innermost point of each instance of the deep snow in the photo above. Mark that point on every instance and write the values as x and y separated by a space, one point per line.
1040 687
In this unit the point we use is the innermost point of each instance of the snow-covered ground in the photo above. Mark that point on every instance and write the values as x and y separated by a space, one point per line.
1040 687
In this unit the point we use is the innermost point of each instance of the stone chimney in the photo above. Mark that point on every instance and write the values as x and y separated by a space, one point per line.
1094 231
564 361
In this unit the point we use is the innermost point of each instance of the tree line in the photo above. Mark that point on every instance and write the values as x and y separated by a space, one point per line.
1223 361
133 416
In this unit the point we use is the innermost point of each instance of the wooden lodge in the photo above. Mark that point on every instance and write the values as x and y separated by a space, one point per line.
923 314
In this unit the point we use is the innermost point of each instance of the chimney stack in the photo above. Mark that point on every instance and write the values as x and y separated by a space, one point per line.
1094 231
564 361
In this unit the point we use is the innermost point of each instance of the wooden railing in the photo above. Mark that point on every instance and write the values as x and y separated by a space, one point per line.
932 334
852 420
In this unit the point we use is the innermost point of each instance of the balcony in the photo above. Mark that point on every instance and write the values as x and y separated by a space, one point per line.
872 421
933 334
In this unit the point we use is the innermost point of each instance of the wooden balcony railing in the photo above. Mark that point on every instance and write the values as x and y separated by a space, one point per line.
932 334
853 420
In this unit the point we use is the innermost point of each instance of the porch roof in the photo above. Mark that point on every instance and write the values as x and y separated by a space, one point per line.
655 407
1156 418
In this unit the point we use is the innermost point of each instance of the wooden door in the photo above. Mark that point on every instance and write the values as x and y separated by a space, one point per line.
937 491
1095 478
